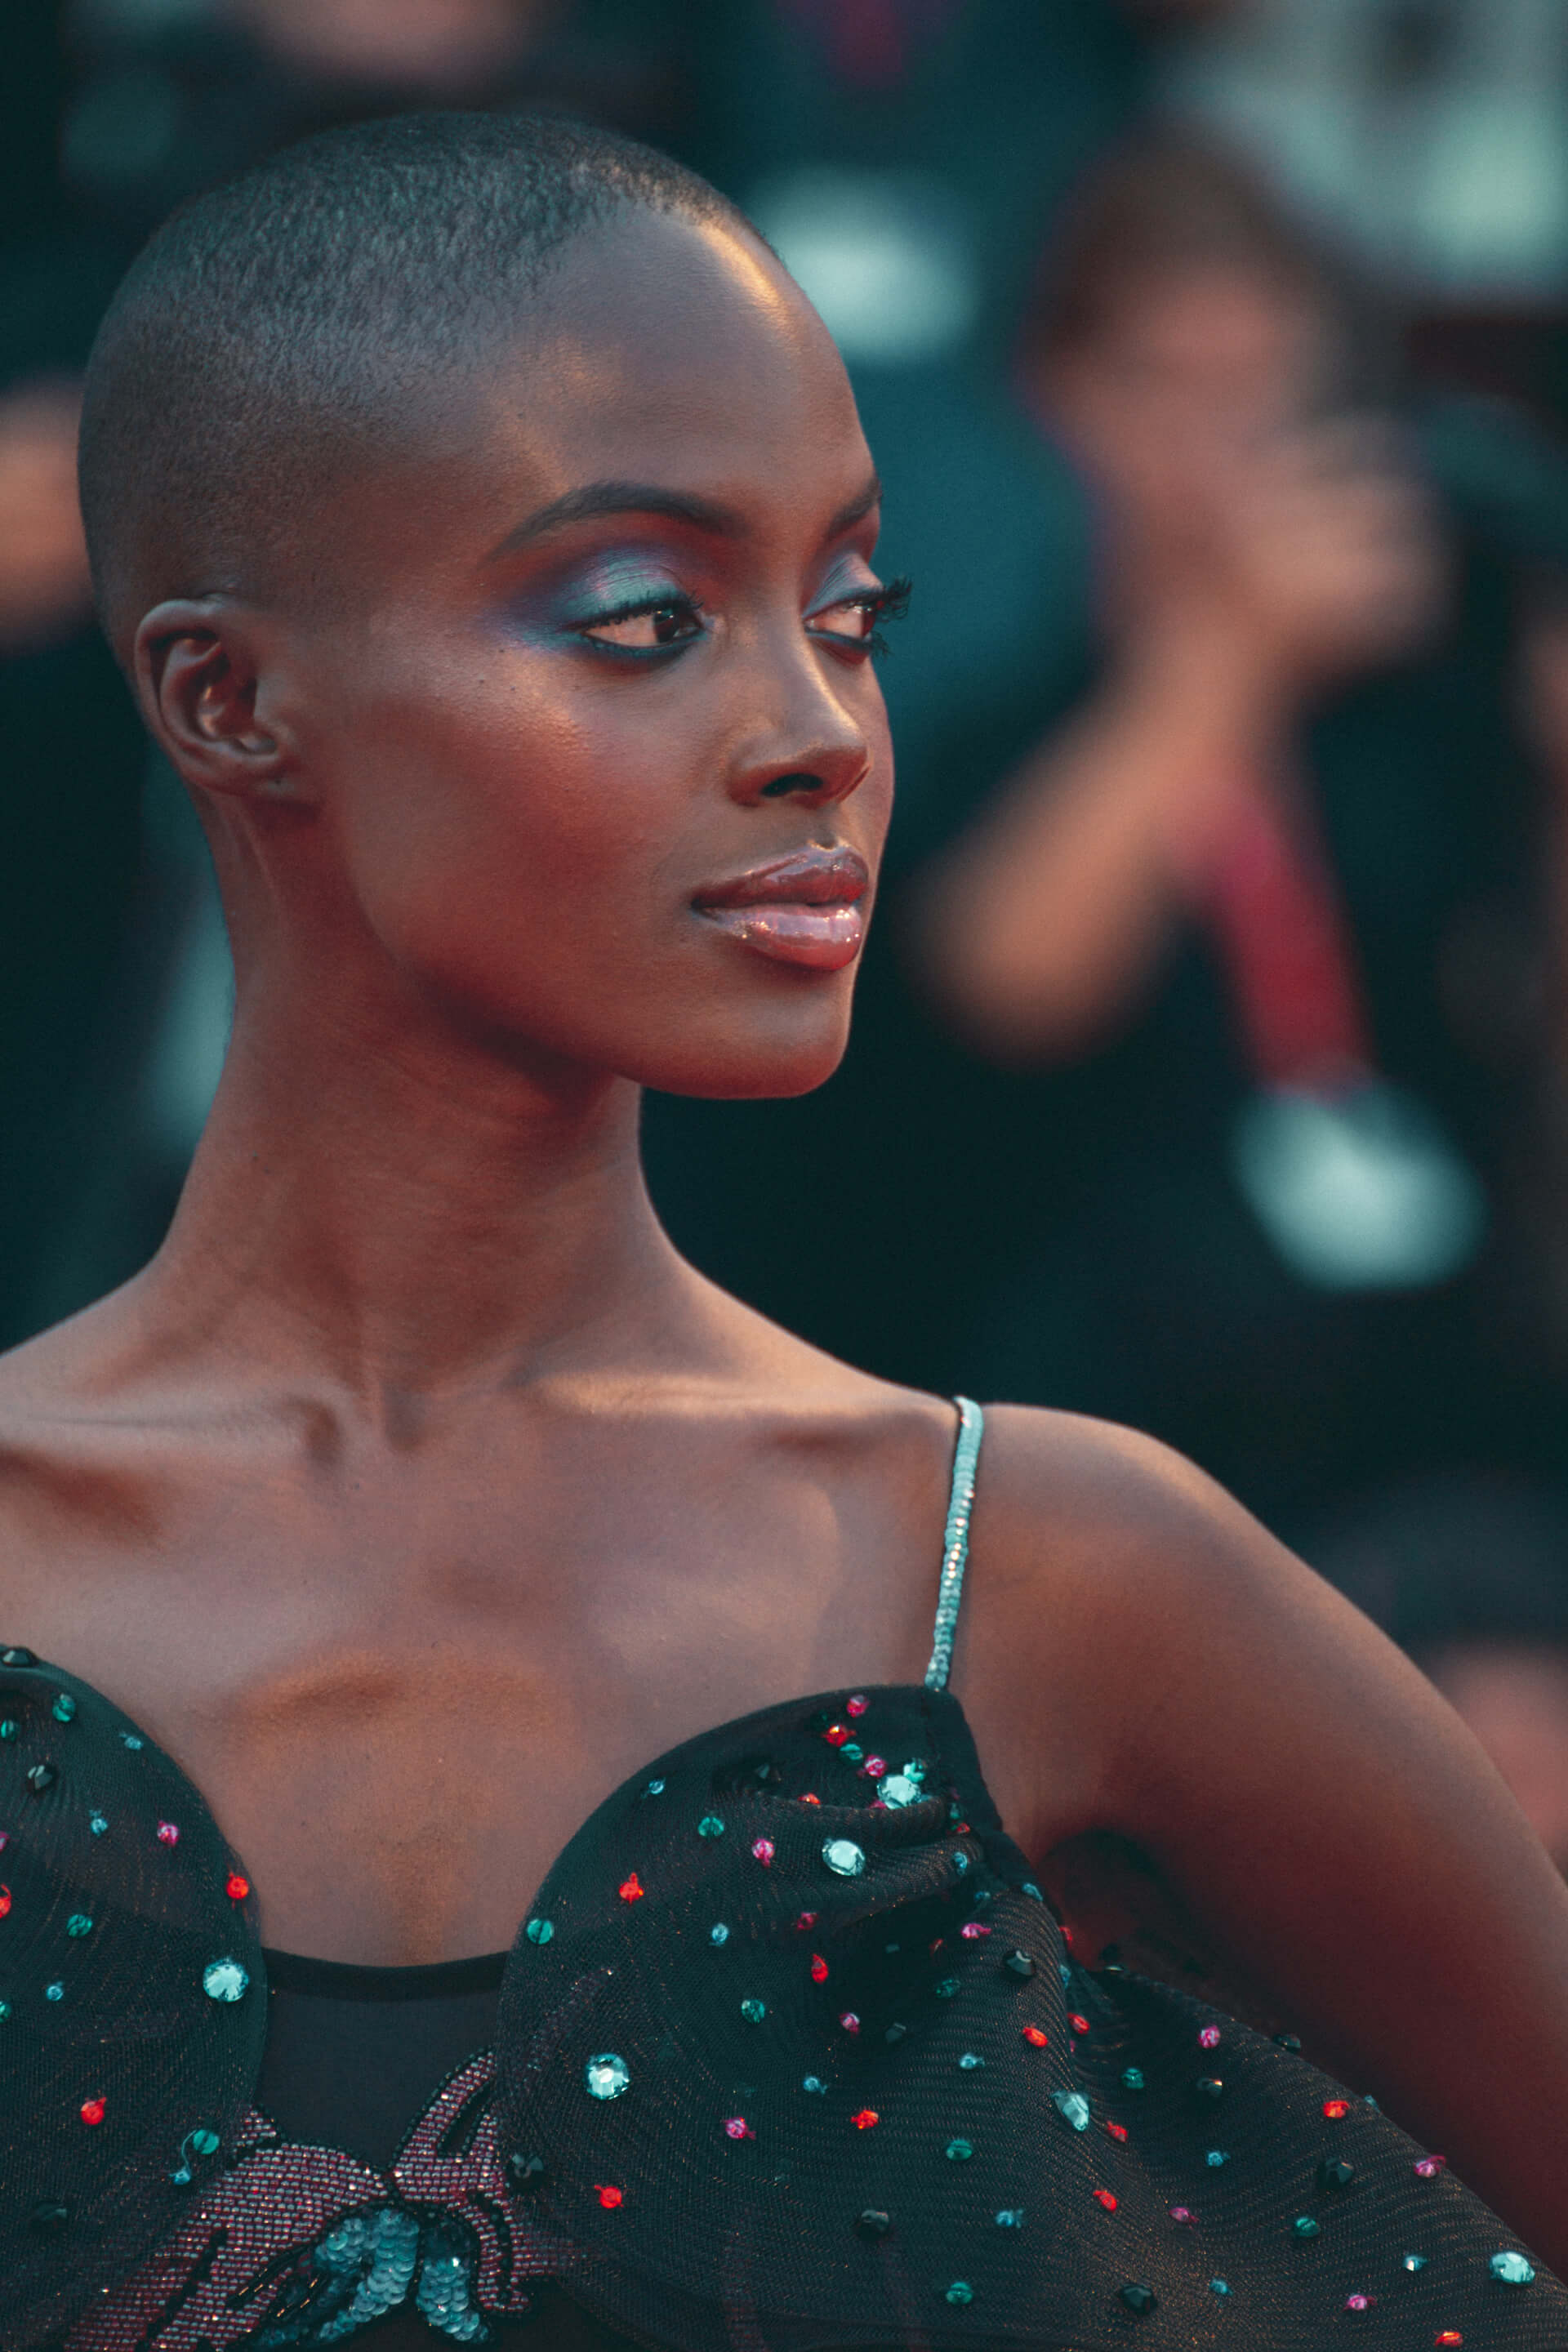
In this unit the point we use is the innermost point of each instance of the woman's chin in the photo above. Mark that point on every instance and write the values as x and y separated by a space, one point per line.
752 1068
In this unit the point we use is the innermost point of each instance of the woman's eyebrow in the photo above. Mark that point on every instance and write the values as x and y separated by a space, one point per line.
598 498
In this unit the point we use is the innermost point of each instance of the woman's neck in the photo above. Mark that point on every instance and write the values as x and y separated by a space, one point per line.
408 1211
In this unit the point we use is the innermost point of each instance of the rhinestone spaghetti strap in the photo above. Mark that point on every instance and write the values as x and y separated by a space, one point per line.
955 1542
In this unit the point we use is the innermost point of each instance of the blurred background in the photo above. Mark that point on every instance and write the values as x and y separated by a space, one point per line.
1211 1069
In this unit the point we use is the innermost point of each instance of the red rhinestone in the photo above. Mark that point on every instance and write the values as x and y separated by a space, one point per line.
961 1828
631 1890
809 1799
806 1919
1117 2131
1336 2109
836 1734
1036 2037
1067 1937
92 2110
608 2197
1103 2197
5 1901
1448 2336
1078 2024
168 1834
866 2118
236 1888
873 1767
818 1968
858 1705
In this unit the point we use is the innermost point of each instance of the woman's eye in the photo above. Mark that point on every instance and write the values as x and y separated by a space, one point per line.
646 632
854 621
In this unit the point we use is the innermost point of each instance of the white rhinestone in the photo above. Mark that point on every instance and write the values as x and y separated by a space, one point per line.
224 1981
844 1857
607 2075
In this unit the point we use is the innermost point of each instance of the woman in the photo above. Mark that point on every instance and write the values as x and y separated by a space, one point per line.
484 518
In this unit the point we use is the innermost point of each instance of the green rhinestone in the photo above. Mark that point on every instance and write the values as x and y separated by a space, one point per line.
64 1708
960 2292
540 1931
710 1826
1133 2078
959 2151
1304 2226
78 1924
753 2011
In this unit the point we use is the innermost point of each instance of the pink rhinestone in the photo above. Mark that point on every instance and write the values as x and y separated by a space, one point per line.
1182 2214
4 1840
1209 2038
972 1930
858 1705
849 2022
874 1768
1357 2302
168 1834
738 2128
1427 2168
806 1919
765 1850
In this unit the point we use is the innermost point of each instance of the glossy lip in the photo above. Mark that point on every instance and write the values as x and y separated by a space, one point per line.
800 909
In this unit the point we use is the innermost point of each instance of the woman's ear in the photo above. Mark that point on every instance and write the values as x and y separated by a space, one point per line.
198 665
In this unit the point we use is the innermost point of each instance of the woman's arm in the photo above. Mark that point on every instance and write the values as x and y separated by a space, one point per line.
1321 1810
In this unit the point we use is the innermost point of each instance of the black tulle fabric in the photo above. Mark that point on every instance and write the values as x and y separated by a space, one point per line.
878 2108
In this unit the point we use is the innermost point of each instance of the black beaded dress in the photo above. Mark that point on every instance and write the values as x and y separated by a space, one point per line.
789 2056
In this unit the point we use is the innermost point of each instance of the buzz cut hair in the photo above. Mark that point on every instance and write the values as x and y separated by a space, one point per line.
277 330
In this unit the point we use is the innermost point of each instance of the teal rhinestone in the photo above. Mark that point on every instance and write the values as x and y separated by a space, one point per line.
960 2292
898 1790
1133 2078
844 1858
813 2083
710 1826
1304 2226
1216 2156
540 1931
960 1863
945 1988
1011 2217
224 1981
607 2075
64 1708
1512 2269
853 1751
959 2151
131 1742
4 2010
719 1935
1032 1891
654 1788
78 1924
753 2011
1138 2298
10 1728
1412 2263
1072 2108
54 1993
203 2142
1219 2286
970 2060
97 1824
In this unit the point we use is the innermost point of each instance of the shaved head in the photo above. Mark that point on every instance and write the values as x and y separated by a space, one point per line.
286 329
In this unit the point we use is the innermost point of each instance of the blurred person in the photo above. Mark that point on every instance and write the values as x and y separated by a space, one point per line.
1199 915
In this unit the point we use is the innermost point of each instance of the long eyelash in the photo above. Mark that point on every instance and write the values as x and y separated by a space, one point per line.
888 604
635 605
